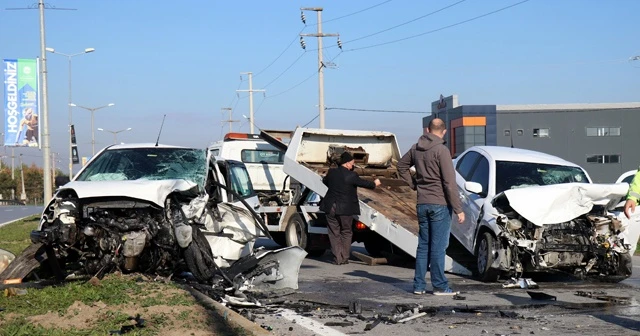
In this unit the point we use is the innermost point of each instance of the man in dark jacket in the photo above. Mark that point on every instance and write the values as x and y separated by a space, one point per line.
340 204
435 182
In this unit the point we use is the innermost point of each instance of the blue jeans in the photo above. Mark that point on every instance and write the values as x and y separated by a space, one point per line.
433 240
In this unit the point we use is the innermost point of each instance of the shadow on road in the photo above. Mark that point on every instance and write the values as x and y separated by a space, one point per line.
374 277
624 322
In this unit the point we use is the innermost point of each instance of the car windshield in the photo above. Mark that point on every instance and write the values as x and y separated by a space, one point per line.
510 175
147 164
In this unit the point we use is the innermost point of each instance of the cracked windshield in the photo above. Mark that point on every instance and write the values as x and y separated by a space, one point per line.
510 175
147 164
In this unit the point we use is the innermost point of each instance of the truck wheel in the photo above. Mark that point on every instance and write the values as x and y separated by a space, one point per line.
296 235
485 258
375 244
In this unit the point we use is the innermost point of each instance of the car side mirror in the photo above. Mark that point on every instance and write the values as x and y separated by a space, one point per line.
473 187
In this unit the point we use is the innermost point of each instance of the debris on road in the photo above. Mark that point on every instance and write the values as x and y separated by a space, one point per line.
604 297
541 296
520 283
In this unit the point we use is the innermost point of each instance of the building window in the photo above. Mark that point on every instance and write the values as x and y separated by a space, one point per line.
467 137
507 132
603 131
540 132
604 158
520 132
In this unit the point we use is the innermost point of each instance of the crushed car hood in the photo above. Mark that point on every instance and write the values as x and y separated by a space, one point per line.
154 191
562 202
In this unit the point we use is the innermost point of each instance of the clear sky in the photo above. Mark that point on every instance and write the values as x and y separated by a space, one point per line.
184 59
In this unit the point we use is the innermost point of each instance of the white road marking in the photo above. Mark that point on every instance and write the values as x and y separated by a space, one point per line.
310 324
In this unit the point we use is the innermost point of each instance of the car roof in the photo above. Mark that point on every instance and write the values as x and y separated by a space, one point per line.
501 153
145 145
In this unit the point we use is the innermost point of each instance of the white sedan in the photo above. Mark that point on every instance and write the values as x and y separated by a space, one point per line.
530 211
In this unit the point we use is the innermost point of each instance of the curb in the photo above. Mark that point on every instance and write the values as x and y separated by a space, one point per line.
235 319
17 220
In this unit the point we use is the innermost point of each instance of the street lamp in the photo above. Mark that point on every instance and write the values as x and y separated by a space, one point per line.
92 110
69 56
115 133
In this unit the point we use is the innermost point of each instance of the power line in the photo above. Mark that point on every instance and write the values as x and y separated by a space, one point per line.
310 121
282 53
397 26
303 81
357 12
439 29
405 23
378 111
285 70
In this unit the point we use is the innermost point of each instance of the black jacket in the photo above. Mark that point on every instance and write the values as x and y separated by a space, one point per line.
343 191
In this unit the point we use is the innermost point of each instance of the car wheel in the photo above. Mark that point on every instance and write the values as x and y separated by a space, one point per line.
296 235
485 257
199 257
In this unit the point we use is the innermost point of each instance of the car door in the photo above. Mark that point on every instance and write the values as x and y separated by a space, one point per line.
480 174
464 168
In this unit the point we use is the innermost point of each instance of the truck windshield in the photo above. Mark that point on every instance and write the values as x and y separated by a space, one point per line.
147 164
510 175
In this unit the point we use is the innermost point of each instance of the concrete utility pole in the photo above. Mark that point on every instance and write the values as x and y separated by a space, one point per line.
13 164
23 195
53 166
46 169
230 120
321 64
251 91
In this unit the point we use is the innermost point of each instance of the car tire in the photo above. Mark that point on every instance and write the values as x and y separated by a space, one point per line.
296 234
199 257
485 257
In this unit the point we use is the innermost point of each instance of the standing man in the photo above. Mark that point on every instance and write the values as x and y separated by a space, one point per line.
340 204
435 182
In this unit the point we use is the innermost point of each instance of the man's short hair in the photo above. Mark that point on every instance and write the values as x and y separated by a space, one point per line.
437 124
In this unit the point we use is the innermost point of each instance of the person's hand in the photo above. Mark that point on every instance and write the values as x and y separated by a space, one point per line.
377 182
629 208
460 218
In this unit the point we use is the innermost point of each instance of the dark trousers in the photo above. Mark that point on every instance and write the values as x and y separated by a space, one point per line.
340 235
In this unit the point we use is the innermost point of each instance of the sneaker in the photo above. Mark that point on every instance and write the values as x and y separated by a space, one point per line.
418 292
446 291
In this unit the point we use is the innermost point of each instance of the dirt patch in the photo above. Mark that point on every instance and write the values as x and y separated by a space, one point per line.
173 320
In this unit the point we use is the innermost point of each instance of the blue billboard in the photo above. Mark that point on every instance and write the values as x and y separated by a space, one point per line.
21 103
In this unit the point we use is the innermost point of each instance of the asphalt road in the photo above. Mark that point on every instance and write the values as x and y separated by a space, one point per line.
9 213
379 289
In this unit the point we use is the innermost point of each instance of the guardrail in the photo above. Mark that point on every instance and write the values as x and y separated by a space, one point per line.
11 202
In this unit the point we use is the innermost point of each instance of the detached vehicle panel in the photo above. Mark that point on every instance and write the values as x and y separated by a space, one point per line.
153 209
529 211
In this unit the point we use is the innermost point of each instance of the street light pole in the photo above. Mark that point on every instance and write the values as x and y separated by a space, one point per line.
92 110
69 56
115 133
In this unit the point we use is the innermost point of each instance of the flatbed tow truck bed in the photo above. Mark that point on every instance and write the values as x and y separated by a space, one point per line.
389 210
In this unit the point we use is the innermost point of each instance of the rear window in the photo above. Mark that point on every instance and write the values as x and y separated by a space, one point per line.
262 156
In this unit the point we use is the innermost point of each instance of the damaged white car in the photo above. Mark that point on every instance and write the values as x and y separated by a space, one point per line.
157 209
527 211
